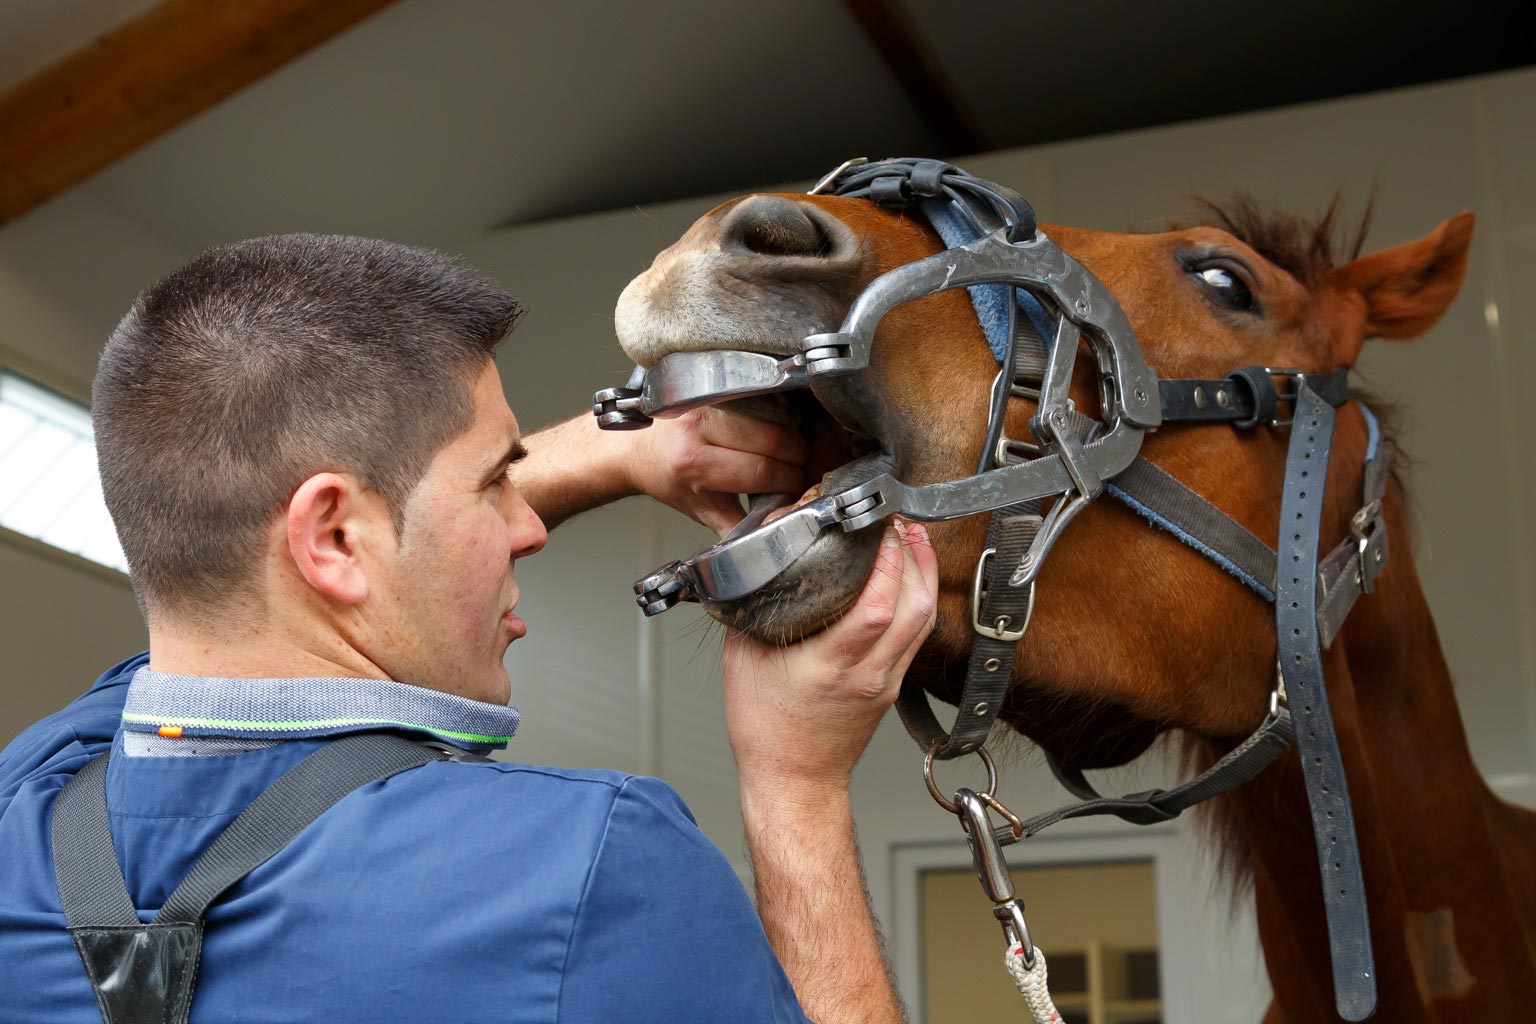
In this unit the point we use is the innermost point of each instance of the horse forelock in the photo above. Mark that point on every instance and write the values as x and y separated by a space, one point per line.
1307 248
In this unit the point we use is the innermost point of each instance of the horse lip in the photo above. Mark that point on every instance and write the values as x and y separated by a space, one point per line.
859 471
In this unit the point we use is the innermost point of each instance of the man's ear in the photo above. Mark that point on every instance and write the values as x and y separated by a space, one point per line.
334 533
1406 289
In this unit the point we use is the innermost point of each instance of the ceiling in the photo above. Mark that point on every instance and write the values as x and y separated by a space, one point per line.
436 120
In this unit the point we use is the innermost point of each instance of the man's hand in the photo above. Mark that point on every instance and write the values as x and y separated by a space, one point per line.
799 718
700 461
697 463
802 715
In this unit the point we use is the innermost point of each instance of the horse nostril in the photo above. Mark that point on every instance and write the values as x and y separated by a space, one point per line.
775 226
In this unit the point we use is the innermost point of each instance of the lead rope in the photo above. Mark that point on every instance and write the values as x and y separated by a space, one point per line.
1029 979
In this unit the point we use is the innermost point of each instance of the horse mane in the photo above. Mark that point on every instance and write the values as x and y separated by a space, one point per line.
1304 247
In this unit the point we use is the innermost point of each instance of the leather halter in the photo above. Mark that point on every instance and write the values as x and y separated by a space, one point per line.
1036 303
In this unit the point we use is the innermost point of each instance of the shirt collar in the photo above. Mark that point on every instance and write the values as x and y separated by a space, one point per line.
177 705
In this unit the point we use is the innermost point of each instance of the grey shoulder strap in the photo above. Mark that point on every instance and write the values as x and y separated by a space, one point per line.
146 972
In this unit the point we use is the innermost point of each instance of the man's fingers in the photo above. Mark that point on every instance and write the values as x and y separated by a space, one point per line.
719 512
733 472
915 603
928 568
758 437
862 626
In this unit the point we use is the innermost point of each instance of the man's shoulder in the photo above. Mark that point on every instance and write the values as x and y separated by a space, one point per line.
84 727
512 783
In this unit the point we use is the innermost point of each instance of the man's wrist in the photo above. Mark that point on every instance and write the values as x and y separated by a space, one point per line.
782 804
604 458
579 467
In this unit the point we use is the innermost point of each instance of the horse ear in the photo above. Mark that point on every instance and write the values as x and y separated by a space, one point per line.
1406 289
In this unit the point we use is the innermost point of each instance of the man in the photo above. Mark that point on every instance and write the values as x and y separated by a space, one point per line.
305 448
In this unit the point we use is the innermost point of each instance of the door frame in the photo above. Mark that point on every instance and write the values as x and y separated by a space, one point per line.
1181 964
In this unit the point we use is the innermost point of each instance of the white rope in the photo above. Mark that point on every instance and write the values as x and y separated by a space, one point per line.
1030 981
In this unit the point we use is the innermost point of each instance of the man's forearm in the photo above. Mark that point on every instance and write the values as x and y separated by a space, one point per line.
573 467
815 908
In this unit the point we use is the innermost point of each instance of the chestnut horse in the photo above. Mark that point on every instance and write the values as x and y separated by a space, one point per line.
1134 633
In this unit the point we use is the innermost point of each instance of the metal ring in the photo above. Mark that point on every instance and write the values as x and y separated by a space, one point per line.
933 787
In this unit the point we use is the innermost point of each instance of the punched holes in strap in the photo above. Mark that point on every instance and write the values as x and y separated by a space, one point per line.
990 666
1246 397
1301 668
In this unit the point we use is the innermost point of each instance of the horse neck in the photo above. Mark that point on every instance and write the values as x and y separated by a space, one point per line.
1447 865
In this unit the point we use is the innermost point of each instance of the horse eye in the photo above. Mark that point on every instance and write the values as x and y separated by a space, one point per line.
1227 285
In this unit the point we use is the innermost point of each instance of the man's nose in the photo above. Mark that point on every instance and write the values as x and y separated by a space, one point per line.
527 530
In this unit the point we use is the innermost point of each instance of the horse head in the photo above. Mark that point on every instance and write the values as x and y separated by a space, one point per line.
1133 631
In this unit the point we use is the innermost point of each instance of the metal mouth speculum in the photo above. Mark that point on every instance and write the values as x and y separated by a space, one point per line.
835 366
685 380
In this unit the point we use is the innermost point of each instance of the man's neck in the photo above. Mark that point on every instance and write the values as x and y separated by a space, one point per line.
256 655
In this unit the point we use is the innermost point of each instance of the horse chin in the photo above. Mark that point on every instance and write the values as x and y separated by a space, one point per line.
810 595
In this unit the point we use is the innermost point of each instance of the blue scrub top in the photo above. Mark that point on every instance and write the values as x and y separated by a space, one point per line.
451 892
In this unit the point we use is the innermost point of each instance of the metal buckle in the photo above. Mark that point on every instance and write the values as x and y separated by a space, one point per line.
1280 396
1007 446
1277 698
829 179
999 629
1363 524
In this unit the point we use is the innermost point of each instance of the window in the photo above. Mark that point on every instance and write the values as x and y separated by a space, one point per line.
49 487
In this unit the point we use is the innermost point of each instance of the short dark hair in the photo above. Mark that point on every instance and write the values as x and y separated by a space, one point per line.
258 364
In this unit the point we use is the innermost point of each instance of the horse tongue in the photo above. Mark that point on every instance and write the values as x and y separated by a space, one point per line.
759 507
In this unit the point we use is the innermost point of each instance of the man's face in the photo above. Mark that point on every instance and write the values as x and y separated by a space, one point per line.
445 612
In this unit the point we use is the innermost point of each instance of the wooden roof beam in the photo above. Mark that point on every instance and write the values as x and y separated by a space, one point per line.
144 78
920 74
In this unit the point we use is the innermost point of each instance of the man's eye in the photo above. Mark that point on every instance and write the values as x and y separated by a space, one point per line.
1227 286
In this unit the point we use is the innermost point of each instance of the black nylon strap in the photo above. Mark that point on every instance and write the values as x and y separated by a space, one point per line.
1333 823
285 809
1240 765
1245 397
85 865
1010 532
991 660
904 180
